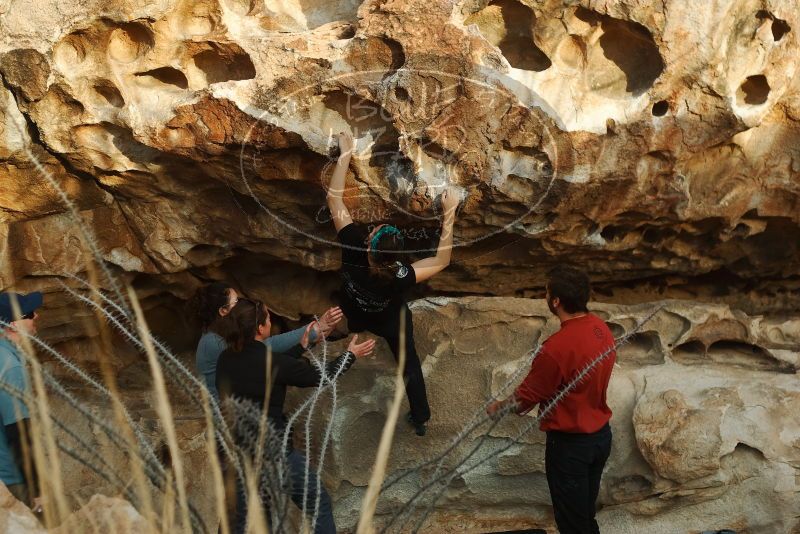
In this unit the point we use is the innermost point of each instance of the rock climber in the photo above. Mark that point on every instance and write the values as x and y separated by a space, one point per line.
374 278
242 373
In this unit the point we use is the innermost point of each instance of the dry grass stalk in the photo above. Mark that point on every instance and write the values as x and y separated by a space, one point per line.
365 525
121 415
216 468
164 409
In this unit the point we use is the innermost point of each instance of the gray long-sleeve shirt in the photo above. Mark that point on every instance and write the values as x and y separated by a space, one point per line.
211 345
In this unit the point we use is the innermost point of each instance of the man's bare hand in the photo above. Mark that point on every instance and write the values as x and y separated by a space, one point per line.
36 505
495 408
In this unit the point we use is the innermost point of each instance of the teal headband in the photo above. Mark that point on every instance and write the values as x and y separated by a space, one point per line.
384 230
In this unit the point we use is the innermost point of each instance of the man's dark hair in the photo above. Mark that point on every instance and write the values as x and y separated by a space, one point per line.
571 286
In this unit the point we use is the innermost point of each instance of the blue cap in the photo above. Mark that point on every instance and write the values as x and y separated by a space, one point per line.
27 304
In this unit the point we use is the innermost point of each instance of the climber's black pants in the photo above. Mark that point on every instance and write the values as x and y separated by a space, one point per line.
387 326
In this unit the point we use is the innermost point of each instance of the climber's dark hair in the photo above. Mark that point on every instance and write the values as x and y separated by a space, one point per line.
386 252
571 285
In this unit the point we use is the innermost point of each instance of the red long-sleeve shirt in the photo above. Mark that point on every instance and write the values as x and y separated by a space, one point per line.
584 410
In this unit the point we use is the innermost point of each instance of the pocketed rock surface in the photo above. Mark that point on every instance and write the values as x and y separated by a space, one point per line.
655 144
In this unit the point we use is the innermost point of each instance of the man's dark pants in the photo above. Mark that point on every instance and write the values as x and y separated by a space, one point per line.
574 464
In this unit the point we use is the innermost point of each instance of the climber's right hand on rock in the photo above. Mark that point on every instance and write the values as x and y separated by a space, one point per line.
346 143
450 198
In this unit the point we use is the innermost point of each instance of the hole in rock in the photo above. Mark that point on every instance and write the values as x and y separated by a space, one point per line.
129 41
689 352
164 455
631 48
627 60
167 76
653 236
69 52
779 242
347 32
437 151
642 348
123 140
225 63
754 91
741 230
587 15
751 214
617 330
741 354
508 24
375 54
779 27
398 55
613 233
660 108
748 453
401 94
365 116
110 93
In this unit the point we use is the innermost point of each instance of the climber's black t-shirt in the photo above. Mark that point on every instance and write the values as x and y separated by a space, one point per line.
364 296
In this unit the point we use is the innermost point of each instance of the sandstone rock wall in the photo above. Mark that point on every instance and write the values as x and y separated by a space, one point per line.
656 144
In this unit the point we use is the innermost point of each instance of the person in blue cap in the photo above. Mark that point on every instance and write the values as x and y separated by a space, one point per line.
14 416
375 278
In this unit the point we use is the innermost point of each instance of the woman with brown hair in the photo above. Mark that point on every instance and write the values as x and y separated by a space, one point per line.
242 373
213 302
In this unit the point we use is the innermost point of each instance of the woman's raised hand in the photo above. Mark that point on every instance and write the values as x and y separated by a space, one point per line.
304 341
328 321
361 350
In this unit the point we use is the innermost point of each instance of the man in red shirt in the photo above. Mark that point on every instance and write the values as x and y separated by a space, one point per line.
578 433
